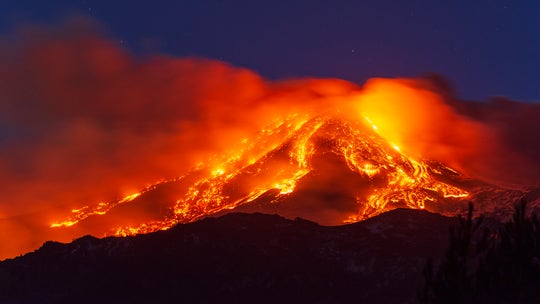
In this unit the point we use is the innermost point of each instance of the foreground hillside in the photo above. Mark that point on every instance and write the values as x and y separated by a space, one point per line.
236 258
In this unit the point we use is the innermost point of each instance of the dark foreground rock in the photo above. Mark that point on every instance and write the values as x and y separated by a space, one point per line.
248 258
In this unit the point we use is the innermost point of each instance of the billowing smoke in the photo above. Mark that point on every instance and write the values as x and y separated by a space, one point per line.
83 121
496 141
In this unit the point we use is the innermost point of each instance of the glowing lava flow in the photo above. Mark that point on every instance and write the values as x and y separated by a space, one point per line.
100 209
212 194
271 166
408 181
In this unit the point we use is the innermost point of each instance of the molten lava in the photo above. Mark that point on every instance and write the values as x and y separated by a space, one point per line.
271 167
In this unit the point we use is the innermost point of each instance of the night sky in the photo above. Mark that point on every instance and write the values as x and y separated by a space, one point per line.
485 48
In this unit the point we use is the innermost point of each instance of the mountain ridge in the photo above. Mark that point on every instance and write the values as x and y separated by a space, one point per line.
236 258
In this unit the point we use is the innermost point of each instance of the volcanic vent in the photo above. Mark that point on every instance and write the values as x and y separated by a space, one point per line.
326 168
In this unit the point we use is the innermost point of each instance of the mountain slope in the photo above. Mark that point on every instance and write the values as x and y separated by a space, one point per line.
236 258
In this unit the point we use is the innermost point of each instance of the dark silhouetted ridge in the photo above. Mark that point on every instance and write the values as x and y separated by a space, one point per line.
236 258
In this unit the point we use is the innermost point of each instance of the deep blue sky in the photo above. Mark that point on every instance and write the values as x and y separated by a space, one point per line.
485 48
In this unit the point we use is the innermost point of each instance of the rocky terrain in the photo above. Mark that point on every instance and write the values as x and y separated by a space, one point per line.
237 258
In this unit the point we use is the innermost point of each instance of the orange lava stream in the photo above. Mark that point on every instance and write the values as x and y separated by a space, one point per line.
255 169
102 208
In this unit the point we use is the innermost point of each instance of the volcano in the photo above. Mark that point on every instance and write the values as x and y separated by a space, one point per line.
357 216
329 169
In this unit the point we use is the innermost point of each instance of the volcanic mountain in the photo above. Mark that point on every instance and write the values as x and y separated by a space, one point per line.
358 187
236 258
327 168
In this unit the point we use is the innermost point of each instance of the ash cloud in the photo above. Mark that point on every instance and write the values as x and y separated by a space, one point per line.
83 121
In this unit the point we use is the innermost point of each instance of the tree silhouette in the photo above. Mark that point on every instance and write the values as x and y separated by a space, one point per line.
499 266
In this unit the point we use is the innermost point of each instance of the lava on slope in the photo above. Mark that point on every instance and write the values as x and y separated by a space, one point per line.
326 168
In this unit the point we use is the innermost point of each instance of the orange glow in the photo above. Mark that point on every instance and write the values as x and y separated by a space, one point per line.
165 140
419 121
100 209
